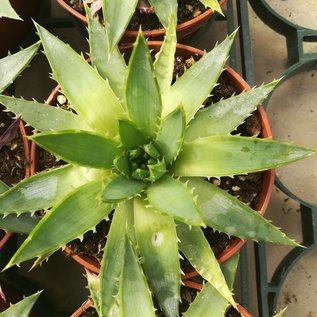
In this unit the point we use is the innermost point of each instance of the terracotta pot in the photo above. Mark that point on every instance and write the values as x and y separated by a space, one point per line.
82 308
184 30
268 181
12 31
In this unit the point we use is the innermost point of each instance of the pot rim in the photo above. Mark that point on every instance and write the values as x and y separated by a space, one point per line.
147 33
268 180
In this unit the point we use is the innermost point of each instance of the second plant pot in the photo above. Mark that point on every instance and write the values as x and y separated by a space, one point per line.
183 30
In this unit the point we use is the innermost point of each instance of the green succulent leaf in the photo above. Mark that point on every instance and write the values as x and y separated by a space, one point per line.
96 103
226 115
7 11
229 269
195 85
164 59
12 65
113 259
77 213
79 147
226 213
135 296
170 137
22 308
142 92
197 250
117 15
3 187
209 301
25 223
19 224
42 190
170 196
213 4
157 241
36 115
94 288
233 155
131 136
110 67
121 188
164 9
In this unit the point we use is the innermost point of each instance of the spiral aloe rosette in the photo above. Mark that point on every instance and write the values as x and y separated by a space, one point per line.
142 151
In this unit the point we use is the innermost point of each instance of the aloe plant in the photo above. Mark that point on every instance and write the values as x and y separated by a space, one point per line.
117 14
22 308
135 146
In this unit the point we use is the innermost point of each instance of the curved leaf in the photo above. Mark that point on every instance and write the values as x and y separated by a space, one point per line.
111 67
164 59
195 85
79 147
157 241
36 115
42 190
79 212
170 137
22 308
94 288
164 9
96 103
112 261
12 65
234 155
142 92
135 296
197 250
226 115
172 197
226 213
117 15
121 188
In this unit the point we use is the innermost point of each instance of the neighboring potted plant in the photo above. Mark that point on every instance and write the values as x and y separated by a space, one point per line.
10 67
119 15
135 144
15 22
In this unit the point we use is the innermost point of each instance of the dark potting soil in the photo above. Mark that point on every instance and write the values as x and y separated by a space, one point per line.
12 167
90 312
2 234
232 312
187 10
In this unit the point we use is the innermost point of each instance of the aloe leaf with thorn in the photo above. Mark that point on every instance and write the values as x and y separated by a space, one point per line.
129 158
22 308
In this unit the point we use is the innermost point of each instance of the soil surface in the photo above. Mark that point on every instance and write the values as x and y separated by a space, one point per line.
12 167
187 10
90 312
231 312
